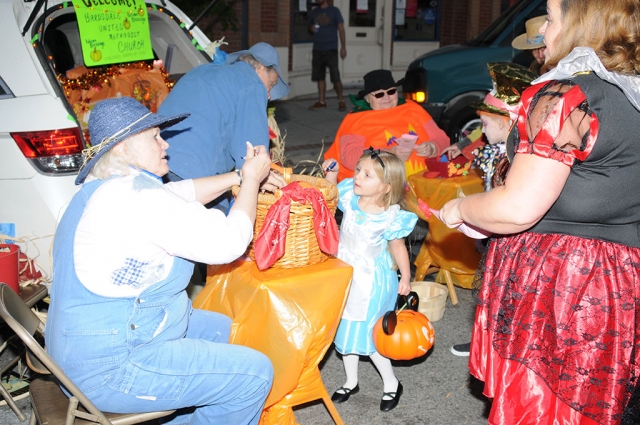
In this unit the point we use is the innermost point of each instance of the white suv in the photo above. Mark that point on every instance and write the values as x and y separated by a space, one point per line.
41 133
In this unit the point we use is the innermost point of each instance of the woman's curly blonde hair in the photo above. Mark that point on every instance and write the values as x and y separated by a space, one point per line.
610 27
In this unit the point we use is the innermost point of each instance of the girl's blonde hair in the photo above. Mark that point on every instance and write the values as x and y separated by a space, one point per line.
611 28
115 162
393 174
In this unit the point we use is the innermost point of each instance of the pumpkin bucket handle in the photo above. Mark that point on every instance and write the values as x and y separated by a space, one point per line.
390 319
409 301
389 322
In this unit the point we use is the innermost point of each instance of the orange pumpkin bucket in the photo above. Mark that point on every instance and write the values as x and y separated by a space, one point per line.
412 337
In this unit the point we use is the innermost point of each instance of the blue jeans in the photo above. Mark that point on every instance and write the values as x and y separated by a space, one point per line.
228 383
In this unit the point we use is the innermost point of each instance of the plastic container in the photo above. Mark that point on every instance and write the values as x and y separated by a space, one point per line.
9 265
433 299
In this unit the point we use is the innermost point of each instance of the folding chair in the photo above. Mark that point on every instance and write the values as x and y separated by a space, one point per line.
30 295
49 404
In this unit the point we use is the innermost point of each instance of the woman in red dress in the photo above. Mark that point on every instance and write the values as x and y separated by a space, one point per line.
557 332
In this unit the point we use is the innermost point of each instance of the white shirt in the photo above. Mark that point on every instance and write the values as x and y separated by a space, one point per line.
133 226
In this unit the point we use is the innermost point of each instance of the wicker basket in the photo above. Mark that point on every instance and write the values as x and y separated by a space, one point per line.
301 247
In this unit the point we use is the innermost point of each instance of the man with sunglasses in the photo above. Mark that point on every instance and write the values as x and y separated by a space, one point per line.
383 120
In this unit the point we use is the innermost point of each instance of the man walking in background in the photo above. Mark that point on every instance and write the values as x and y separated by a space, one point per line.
326 24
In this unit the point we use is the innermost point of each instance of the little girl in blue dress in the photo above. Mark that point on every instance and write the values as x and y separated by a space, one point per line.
371 240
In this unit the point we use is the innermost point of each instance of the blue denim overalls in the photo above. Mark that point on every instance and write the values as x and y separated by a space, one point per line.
153 352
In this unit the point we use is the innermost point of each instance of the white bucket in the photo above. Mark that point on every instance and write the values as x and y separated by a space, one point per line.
433 299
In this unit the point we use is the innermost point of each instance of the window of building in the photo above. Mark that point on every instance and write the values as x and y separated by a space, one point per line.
361 15
416 20
300 26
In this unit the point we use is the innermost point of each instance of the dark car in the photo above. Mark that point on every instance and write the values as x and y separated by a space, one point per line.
445 80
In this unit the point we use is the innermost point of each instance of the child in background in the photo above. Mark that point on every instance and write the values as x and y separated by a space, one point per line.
371 239
498 113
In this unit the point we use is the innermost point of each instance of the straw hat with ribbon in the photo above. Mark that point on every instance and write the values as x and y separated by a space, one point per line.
532 39
509 81
113 120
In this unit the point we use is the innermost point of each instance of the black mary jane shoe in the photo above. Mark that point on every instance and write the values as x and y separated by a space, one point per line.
341 397
386 405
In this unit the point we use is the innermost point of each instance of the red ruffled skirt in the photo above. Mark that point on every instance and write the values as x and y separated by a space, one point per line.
557 332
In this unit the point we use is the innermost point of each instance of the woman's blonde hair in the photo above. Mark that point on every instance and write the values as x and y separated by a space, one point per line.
115 161
393 174
610 27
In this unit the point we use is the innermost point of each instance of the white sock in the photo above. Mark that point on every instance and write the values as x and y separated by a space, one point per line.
385 370
350 362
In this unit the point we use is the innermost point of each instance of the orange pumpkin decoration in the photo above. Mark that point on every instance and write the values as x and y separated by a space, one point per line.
412 338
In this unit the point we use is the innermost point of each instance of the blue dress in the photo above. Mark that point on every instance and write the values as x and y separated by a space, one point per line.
374 287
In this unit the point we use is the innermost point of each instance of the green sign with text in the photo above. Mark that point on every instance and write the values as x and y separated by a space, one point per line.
113 31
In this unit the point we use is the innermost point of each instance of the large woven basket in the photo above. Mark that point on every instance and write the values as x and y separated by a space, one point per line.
301 247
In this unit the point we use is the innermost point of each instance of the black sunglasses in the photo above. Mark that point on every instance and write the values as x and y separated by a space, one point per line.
374 154
380 95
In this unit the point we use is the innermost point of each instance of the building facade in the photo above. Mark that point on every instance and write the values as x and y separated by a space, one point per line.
385 34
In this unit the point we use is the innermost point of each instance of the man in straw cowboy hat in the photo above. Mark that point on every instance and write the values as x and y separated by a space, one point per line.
120 323
532 41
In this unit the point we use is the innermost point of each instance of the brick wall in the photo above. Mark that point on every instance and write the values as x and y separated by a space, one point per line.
454 21
268 21
214 30
462 20
269 16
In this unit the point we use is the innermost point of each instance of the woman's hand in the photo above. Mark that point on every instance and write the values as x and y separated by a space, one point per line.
255 170
452 151
450 213
256 163
274 181
426 150
400 152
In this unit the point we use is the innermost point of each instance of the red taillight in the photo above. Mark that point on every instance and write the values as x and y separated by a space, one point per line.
38 144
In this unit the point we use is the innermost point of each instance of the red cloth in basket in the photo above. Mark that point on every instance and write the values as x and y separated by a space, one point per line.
271 241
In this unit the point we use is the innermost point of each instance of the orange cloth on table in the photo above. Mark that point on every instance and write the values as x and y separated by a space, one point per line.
377 126
270 244
290 315
446 248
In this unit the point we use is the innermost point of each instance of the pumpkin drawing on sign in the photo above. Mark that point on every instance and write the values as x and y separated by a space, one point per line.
126 24
412 337
96 55
141 12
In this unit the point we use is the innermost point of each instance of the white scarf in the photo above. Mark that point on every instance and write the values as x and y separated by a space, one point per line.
585 59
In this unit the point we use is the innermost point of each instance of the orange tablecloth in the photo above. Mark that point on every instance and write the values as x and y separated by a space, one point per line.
291 315
445 248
